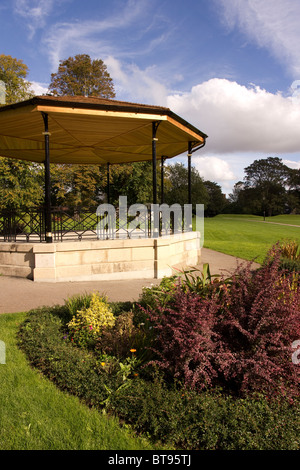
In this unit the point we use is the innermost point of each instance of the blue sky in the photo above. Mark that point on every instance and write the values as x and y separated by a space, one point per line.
230 67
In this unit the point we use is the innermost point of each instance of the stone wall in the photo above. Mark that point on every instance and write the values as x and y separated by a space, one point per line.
100 259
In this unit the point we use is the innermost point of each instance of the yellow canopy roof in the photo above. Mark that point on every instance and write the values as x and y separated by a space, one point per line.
92 131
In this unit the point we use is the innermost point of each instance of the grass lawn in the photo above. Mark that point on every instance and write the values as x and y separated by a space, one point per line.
35 415
246 236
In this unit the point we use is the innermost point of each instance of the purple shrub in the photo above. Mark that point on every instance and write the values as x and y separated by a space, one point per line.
238 337
185 344
258 320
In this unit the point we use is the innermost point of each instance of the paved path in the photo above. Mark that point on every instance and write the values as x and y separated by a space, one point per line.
263 221
18 294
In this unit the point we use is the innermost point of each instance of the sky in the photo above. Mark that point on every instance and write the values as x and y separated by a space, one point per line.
229 67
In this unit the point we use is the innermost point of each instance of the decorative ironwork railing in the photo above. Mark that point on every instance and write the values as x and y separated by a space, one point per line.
96 223
74 224
22 225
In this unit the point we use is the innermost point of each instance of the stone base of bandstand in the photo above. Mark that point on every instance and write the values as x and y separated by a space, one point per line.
148 258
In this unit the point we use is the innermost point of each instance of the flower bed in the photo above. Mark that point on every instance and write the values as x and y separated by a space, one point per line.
200 362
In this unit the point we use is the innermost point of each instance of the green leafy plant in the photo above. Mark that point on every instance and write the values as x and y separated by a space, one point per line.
123 372
125 336
194 280
184 419
77 302
162 292
90 322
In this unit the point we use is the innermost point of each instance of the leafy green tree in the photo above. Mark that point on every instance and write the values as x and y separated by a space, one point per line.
216 199
176 190
20 181
264 189
82 76
13 73
293 182
133 180
266 171
21 184
242 200
268 177
77 185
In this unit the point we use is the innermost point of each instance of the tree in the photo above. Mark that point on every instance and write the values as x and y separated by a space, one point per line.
13 73
80 185
77 185
20 181
216 200
177 186
264 189
21 184
82 76
267 171
133 180
243 200
268 177
294 190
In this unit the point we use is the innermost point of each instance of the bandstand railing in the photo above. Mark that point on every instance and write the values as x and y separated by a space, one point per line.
70 224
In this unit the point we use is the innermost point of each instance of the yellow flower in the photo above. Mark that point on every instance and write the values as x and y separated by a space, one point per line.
132 350
102 364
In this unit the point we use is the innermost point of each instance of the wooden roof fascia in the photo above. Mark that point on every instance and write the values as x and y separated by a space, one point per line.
199 138
97 112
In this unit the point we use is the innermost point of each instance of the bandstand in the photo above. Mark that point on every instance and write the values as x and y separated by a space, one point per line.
55 244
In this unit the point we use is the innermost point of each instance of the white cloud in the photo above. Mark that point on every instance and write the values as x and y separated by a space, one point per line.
213 169
39 88
34 12
240 119
91 35
273 24
291 164
135 84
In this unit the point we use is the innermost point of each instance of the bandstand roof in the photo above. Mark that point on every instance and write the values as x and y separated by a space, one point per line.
89 130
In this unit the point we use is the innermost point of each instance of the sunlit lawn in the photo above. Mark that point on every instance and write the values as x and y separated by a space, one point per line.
248 237
35 415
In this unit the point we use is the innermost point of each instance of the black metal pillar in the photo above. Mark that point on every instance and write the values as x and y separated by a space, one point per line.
154 176
162 193
48 223
108 183
190 173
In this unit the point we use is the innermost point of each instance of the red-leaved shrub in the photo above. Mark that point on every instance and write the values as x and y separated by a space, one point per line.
186 343
239 337
258 320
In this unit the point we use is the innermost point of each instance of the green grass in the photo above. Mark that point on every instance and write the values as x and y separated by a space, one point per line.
35 415
246 236
285 219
